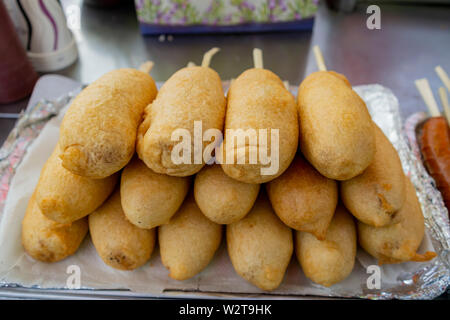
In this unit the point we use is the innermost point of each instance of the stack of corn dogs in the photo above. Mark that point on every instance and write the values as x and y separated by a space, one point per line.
339 181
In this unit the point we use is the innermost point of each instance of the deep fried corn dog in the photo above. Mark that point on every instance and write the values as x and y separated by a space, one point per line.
49 241
257 100
98 132
399 241
190 94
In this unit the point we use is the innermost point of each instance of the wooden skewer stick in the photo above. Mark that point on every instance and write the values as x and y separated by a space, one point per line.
258 63
258 58
427 95
190 64
208 56
319 59
444 77
444 101
147 66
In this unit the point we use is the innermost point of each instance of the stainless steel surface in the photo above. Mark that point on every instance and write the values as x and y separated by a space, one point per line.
9 115
411 42
7 123
413 39
110 39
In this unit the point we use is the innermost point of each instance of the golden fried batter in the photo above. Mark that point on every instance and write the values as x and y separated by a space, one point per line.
329 261
304 199
189 241
260 246
98 132
191 94
65 197
49 241
222 199
119 243
399 241
257 99
336 134
374 196
150 199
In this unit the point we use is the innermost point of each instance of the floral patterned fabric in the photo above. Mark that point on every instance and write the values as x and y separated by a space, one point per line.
223 12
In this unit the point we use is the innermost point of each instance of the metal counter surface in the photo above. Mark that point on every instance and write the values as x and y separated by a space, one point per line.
411 42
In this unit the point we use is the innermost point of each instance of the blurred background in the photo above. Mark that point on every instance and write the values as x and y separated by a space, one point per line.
401 42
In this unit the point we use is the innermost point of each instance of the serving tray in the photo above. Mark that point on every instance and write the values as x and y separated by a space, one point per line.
21 276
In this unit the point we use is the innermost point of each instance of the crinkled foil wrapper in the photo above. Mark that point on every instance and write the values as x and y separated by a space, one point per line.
427 283
434 278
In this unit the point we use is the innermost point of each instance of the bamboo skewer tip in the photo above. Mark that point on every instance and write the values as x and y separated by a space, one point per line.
146 67
443 76
208 56
258 58
445 104
427 95
319 58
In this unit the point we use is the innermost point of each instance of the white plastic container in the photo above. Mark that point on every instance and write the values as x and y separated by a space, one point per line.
42 28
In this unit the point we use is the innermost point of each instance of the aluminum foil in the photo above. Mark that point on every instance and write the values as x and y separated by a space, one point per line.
434 278
428 282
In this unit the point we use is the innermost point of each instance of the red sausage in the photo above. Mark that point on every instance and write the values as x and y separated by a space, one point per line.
435 147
